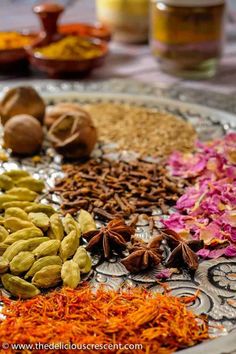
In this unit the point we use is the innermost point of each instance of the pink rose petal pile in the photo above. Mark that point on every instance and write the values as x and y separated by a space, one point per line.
207 210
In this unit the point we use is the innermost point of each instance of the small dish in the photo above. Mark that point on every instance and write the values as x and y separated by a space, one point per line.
84 29
13 59
66 67
11 56
51 57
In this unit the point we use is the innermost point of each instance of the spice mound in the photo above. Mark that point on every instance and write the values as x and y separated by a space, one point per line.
145 131
14 40
159 323
116 188
206 211
70 48
39 248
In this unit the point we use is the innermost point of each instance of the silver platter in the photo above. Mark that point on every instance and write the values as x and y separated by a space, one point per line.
216 279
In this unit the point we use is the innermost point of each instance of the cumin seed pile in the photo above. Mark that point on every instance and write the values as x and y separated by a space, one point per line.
142 130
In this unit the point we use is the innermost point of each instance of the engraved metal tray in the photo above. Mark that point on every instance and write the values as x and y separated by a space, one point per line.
216 279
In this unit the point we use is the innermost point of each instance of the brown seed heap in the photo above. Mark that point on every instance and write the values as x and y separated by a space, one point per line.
116 189
142 130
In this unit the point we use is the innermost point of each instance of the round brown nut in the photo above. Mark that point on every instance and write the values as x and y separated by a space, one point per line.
56 111
22 100
73 135
23 134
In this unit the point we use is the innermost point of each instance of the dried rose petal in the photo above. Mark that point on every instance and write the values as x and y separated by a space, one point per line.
230 251
207 211
166 273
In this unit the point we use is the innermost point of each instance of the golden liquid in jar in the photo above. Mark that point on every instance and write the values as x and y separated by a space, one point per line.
187 38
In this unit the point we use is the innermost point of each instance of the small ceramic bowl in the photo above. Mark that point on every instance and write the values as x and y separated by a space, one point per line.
83 29
64 68
13 59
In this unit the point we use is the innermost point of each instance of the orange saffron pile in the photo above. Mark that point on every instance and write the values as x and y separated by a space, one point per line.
161 323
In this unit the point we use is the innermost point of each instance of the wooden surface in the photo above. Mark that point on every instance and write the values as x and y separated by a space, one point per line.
125 61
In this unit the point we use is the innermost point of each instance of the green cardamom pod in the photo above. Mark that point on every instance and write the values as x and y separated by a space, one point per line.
16 174
15 224
86 222
69 246
50 234
17 213
49 248
4 265
32 243
23 245
3 233
5 182
14 249
6 198
24 234
70 224
83 260
31 183
40 208
47 277
41 263
19 287
40 220
70 274
3 247
23 194
17 204
56 227
21 262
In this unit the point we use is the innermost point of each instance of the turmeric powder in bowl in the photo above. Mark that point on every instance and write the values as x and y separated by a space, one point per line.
70 48
14 40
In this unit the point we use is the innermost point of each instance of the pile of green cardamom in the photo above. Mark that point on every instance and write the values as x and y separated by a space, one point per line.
38 247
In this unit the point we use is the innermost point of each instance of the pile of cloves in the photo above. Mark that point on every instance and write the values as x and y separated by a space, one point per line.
117 189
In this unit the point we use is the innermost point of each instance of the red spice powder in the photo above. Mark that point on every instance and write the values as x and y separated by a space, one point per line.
161 323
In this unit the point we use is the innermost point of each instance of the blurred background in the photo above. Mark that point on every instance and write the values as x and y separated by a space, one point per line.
85 11
148 62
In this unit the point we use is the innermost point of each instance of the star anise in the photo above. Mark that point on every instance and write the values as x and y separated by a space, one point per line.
143 255
183 252
114 236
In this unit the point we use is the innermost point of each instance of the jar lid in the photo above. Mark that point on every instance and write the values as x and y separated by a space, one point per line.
191 3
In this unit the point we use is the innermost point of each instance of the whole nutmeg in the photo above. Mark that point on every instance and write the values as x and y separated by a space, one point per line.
56 111
23 134
73 135
22 100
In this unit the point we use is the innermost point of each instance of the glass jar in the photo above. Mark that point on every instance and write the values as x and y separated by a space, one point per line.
187 36
127 19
